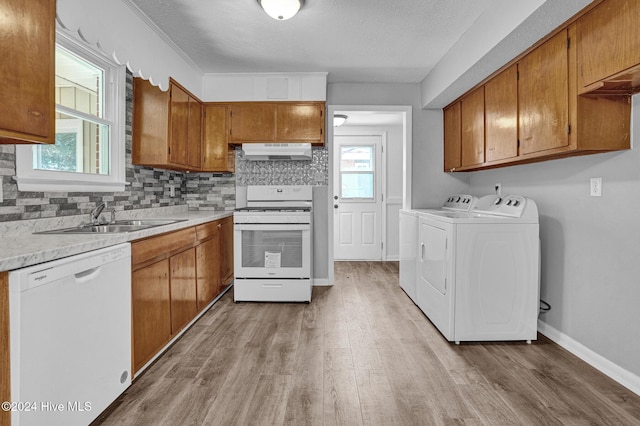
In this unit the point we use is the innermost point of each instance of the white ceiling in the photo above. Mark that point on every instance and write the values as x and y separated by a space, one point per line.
363 41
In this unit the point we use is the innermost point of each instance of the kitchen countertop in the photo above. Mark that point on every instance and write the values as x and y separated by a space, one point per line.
19 247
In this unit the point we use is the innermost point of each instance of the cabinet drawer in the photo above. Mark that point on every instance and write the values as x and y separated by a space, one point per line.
207 230
284 290
162 246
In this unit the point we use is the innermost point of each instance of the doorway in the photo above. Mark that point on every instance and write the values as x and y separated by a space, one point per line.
398 150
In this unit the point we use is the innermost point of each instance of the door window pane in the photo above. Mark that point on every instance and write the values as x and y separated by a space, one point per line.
357 171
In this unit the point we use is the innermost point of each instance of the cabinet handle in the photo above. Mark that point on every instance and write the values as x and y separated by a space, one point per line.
422 252
219 225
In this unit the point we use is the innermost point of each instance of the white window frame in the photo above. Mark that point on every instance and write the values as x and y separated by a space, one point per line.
30 179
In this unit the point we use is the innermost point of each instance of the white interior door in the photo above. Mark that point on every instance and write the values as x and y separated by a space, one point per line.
357 197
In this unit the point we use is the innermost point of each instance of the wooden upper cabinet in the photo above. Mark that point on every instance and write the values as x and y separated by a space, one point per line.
216 154
300 123
472 123
452 138
543 96
276 122
167 127
608 40
501 115
252 122
27 71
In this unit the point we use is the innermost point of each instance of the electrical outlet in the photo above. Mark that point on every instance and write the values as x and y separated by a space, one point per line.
498 189
172 191
1 195
596 187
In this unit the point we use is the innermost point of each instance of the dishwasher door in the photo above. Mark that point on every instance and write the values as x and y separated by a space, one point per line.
70 337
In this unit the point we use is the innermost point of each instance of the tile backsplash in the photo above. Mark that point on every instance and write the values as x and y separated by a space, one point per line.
147 188
284 172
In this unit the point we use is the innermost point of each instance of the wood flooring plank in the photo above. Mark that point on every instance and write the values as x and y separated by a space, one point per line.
341 401
361 353
377 404
268 404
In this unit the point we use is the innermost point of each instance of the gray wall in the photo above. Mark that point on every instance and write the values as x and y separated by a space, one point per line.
590 245
430 184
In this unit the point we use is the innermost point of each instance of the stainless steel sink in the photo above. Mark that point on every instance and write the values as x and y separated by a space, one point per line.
119 226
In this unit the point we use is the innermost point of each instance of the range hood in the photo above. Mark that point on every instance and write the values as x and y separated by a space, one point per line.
277 151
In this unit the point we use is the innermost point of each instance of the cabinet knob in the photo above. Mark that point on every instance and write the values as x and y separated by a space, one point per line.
335 206
219 225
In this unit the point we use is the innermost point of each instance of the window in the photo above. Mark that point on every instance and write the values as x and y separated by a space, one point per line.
357 171
90 125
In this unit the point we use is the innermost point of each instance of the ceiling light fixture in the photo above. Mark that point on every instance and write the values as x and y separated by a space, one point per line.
339 119
281 9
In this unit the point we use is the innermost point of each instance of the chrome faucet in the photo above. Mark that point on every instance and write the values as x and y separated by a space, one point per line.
95 214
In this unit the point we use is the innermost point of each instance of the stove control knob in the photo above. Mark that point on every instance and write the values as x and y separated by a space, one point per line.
516 203
457 199
497 201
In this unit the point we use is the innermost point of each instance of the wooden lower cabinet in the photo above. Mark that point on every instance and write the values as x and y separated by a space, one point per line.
183 289
208 270
175 276
151 311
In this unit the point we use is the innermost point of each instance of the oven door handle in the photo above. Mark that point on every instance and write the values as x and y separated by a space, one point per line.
272 226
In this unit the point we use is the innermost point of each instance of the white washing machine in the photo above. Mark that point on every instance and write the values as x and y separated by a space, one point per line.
478 271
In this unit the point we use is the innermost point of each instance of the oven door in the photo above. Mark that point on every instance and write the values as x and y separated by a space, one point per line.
272 250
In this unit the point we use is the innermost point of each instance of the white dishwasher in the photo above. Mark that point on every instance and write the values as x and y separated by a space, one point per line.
70 337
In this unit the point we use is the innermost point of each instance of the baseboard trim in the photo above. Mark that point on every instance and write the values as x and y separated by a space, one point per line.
617 373
319 282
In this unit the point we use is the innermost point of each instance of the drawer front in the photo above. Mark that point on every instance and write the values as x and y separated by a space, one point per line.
162 246
207 230
272 290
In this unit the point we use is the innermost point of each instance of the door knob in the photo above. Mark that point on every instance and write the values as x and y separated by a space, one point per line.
335 206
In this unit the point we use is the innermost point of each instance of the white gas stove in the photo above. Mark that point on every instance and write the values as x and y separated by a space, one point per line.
272 245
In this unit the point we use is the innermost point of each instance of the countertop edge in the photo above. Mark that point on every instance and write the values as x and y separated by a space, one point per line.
27 250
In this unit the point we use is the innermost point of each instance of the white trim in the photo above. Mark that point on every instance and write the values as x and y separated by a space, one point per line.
614 371
320 282
393 258
407 143
29 179
394 200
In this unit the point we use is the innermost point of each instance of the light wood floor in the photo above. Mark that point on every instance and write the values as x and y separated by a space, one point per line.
361 353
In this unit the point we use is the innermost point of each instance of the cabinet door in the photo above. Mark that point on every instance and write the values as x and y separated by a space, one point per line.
226 251
501 115
194 132
472 119
208 270
183 289
608 40
179 142
452 137
151 311
252 122
27 43
215 150
300 123
543 97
